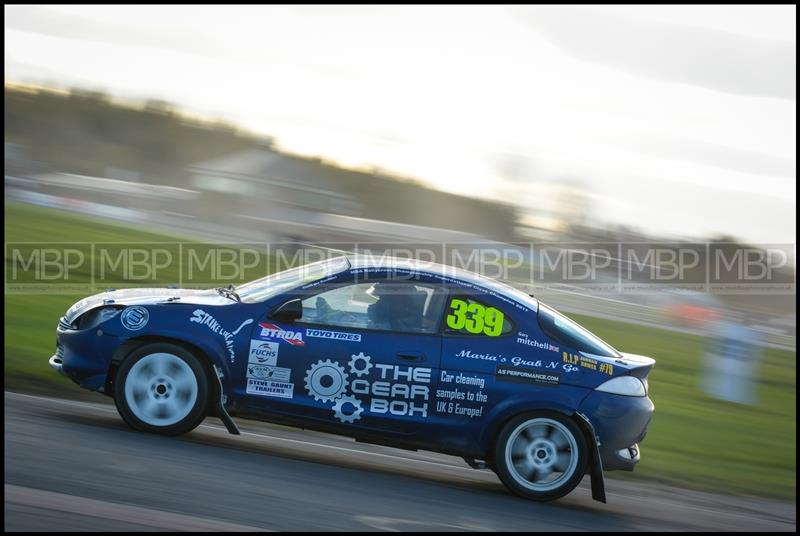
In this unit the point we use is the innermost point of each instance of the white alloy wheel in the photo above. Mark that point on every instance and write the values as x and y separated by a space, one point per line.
161 389
541 454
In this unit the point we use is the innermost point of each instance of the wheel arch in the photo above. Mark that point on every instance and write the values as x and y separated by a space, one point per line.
129 345
594 466
502 414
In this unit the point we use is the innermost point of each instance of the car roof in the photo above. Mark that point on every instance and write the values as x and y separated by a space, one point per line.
441 270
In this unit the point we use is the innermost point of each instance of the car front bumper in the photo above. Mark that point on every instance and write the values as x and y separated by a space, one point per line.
57 364
84 356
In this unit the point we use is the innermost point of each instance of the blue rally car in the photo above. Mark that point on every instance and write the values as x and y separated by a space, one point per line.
401 353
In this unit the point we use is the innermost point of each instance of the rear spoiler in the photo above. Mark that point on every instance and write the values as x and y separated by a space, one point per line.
639 365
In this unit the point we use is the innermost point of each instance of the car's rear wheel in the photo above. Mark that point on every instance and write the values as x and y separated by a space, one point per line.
541 456
162 388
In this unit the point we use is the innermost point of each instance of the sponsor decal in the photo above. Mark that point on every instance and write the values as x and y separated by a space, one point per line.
469 354
475 318
520 362
348 409
360 364
275 332
523 375
134 318
465 398
335 335
396 389
199 316
267 372
263 352
462 379
326 380
522 338
270 388
588 363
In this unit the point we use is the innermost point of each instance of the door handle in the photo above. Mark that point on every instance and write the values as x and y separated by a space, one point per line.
411 356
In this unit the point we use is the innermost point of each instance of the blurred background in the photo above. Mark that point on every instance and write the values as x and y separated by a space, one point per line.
628 135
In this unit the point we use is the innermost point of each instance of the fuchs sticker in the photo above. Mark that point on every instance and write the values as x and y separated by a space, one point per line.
263 353
274 331
269 388
335 335
266 372
523 375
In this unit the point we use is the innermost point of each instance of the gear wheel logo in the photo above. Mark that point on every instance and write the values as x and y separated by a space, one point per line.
326 380
352 404
360 357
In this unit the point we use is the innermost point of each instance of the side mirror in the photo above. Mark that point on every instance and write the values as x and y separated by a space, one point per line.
288 312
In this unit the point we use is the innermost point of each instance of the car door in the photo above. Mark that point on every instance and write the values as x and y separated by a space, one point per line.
477 344
364 354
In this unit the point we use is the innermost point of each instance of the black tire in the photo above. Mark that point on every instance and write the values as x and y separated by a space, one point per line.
176 373
540 454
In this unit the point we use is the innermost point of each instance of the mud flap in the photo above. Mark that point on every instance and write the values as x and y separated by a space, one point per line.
595 463
222 413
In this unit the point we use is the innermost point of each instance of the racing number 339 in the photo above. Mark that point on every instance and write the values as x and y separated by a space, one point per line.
475 318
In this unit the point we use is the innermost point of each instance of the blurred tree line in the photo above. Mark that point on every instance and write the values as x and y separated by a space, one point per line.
88 133
84 132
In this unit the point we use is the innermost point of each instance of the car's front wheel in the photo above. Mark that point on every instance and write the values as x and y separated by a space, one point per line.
162 388
541 456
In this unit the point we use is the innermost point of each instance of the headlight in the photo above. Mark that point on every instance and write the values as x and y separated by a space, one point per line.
95 317
624 385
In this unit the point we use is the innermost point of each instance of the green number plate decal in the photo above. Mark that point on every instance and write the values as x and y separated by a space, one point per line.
475 318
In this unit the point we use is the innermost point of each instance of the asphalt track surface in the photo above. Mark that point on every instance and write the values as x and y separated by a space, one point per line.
73 465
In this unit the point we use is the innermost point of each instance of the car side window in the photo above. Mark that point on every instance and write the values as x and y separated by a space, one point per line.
408 306
467 316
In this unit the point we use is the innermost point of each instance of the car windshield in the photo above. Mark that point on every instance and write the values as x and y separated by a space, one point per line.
272 285
572 334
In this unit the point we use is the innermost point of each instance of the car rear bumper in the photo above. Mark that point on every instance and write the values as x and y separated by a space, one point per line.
620 423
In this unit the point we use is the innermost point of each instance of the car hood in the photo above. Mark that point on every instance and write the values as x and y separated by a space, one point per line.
144 296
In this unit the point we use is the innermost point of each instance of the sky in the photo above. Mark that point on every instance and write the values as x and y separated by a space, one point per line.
677 120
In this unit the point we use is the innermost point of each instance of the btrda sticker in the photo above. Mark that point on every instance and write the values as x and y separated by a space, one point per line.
395 389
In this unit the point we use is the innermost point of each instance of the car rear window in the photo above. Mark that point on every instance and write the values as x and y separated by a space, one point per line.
568 332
